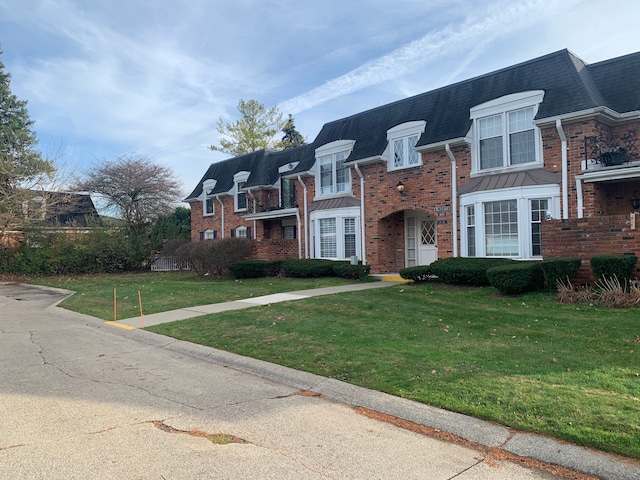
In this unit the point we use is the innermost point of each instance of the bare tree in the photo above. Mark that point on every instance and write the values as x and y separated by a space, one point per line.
139 189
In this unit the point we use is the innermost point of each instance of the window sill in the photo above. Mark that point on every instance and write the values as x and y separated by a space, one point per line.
514 168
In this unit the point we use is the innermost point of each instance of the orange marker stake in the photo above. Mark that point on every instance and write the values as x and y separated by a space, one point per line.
140 302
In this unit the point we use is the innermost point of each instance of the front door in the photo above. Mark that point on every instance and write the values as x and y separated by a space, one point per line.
420 240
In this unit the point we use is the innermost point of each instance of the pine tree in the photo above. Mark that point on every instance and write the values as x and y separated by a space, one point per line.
292 137
22 167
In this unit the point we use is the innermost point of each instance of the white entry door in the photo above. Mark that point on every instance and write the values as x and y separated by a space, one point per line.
420 240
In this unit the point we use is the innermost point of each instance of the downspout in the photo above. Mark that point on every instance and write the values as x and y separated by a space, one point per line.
255 236
306 218
299 239
363 250
221 215
565 171
580 199
454 197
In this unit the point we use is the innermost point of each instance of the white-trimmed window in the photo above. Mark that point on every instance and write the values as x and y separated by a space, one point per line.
471 230
209 234
506 223
539 209
504 133
501 228
208 206
335 234
240 196
333 177
402 145
242 232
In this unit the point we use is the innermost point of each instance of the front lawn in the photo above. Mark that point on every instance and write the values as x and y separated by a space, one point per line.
163 291
567 371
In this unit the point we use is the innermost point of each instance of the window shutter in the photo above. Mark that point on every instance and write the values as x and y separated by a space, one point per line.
233 233
249 232
201 235
215 234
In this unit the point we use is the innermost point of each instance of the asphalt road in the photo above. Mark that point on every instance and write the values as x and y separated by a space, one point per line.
81 399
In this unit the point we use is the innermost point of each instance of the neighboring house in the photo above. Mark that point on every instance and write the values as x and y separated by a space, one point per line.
60 209
535 160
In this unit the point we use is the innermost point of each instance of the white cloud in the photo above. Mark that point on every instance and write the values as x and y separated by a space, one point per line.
475 34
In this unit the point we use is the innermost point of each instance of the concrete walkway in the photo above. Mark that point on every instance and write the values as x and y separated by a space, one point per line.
184 313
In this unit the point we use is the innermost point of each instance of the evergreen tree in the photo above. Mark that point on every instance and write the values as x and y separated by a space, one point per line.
22 167
292 137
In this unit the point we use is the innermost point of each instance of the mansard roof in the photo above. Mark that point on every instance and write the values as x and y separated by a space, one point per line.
262 166
570 85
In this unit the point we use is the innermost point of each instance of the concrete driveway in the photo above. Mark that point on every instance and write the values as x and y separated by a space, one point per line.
80 399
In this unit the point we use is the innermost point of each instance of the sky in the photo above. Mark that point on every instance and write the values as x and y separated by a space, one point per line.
105 78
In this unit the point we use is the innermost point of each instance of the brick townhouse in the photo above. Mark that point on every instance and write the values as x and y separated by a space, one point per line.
533 161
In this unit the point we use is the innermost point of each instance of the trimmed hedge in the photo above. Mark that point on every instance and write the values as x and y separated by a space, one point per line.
255 268
607 266
307 268
421 273
352 272
516 277
559 269
466 271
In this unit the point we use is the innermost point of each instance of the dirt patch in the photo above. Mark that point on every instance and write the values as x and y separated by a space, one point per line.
492 455
217 438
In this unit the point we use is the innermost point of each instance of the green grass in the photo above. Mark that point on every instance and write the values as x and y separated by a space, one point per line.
161 292
571 372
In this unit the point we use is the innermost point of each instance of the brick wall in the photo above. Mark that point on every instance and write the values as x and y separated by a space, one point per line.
589 237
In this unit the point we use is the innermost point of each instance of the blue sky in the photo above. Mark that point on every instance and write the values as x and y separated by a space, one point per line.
110 77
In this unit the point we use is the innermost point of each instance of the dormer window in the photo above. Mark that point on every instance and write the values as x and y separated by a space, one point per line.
208 206
333 176
239 195
402 144
504 132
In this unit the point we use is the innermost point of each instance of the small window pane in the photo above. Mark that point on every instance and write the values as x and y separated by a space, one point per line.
398 153
491 153
414 157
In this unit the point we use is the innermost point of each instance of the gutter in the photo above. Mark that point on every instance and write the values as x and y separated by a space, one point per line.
306 218
440 145
565 171
362 235
589 113
255 234
454 197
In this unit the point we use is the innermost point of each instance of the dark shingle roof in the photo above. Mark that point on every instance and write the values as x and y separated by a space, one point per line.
569 85
618 80
263 166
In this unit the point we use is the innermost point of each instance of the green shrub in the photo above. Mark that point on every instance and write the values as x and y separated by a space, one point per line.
465 271
352 272
255 268
421 273
559 269
308 268
609 266
516 277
